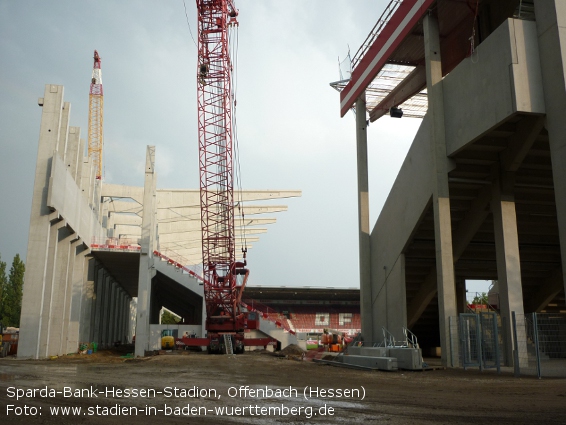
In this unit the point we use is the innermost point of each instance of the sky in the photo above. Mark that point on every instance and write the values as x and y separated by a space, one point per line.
290 132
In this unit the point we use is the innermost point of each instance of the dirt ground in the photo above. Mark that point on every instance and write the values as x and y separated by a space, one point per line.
93 384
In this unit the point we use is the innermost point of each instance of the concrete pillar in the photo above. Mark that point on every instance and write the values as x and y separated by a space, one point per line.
366 299
551 30
122 317
80 162
87 300
132 318
76 297
40 225
68 296
441 196
64 130
147 269
461 301
113 313
508 261
98 306
48 289
396 299
73 154
105 310
56 315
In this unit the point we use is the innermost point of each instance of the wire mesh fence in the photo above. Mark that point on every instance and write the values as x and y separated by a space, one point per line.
529 344
476 340
539 344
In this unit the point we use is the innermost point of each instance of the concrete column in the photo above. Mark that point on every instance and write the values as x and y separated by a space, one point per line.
396 296
461 301
132 318
40 226
80 162
76 297
73 154
68 296
508 261
122 317
64 130
113 313
366 299
48 289
147 269
55 336
551 30
441 196
98 306
87 300
105 311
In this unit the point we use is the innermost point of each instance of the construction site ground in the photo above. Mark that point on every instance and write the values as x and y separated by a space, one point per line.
98 383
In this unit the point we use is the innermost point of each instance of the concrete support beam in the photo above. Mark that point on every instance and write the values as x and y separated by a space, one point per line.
474 218
98 301
40 229
414 83
79 276
64 130
521 142
105 310
508 258
87 300
73 155
461 301
58 302
441 196
48 289
545 293
147 243
551 31
422 298
68 297
363 220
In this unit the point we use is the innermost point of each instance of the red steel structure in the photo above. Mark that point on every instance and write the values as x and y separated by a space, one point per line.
96 117
215 106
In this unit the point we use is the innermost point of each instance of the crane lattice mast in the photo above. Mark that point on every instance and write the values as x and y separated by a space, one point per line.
214 87
96 117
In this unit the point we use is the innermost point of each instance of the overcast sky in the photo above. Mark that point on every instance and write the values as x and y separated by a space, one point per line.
289 129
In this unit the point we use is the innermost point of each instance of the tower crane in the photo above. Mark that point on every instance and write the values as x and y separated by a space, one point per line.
96 117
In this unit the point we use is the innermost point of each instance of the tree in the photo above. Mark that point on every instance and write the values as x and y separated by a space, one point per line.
12 294
3 284
480 298
168 318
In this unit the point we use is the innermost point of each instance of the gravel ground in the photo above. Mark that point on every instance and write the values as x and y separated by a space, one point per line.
258 388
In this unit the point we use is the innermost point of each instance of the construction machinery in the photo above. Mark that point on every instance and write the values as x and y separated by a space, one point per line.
224 276
96 116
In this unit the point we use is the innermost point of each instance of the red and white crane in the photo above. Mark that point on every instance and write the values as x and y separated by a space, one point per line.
96 117
222 289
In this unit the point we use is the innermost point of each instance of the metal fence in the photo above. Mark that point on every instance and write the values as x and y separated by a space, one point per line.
476 341
539 344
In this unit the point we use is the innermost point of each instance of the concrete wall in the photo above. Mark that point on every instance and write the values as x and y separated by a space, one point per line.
502 78
393 229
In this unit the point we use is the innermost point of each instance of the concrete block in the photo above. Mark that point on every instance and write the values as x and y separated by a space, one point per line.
407 358
381 363
373 351
355 351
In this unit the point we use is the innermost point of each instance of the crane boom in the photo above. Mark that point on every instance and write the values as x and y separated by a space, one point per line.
96 117
215 97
